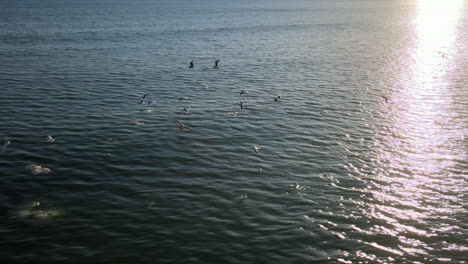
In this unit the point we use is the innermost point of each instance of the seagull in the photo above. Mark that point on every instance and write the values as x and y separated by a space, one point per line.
185 111
146 110
184 98
244 92
242 104
182 127
36 169
151 102
438 123
191 64
51 138
144 96
257 148
6 142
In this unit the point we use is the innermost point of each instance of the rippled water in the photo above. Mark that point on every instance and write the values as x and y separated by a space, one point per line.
363 160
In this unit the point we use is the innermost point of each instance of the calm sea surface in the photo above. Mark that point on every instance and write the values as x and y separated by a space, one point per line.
362 160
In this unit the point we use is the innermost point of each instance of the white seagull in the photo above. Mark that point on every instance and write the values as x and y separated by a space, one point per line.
36 169
257 148
51 138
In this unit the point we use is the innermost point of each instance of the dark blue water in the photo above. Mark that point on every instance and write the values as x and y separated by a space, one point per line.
362 160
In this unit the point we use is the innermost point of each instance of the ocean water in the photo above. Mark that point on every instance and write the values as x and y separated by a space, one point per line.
362 160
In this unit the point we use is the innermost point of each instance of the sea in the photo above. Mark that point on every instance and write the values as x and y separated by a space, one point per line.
329 132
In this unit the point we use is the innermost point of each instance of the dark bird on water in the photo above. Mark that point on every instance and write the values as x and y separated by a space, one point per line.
185 111
244 92
191 64
216 63
278 98
242 104
144 96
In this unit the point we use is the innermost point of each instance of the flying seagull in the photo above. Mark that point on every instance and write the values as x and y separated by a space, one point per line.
51 138
6 142
182 127
257 148
185 111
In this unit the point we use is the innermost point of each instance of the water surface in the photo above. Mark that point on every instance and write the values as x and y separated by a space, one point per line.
363 160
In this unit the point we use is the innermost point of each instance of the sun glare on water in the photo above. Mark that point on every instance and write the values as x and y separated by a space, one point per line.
423 91
436 22
424 133
427 85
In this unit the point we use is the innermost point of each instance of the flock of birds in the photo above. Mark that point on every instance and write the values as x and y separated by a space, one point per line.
187 109
144 100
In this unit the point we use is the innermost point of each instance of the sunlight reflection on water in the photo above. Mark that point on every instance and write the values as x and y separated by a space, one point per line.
422 143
